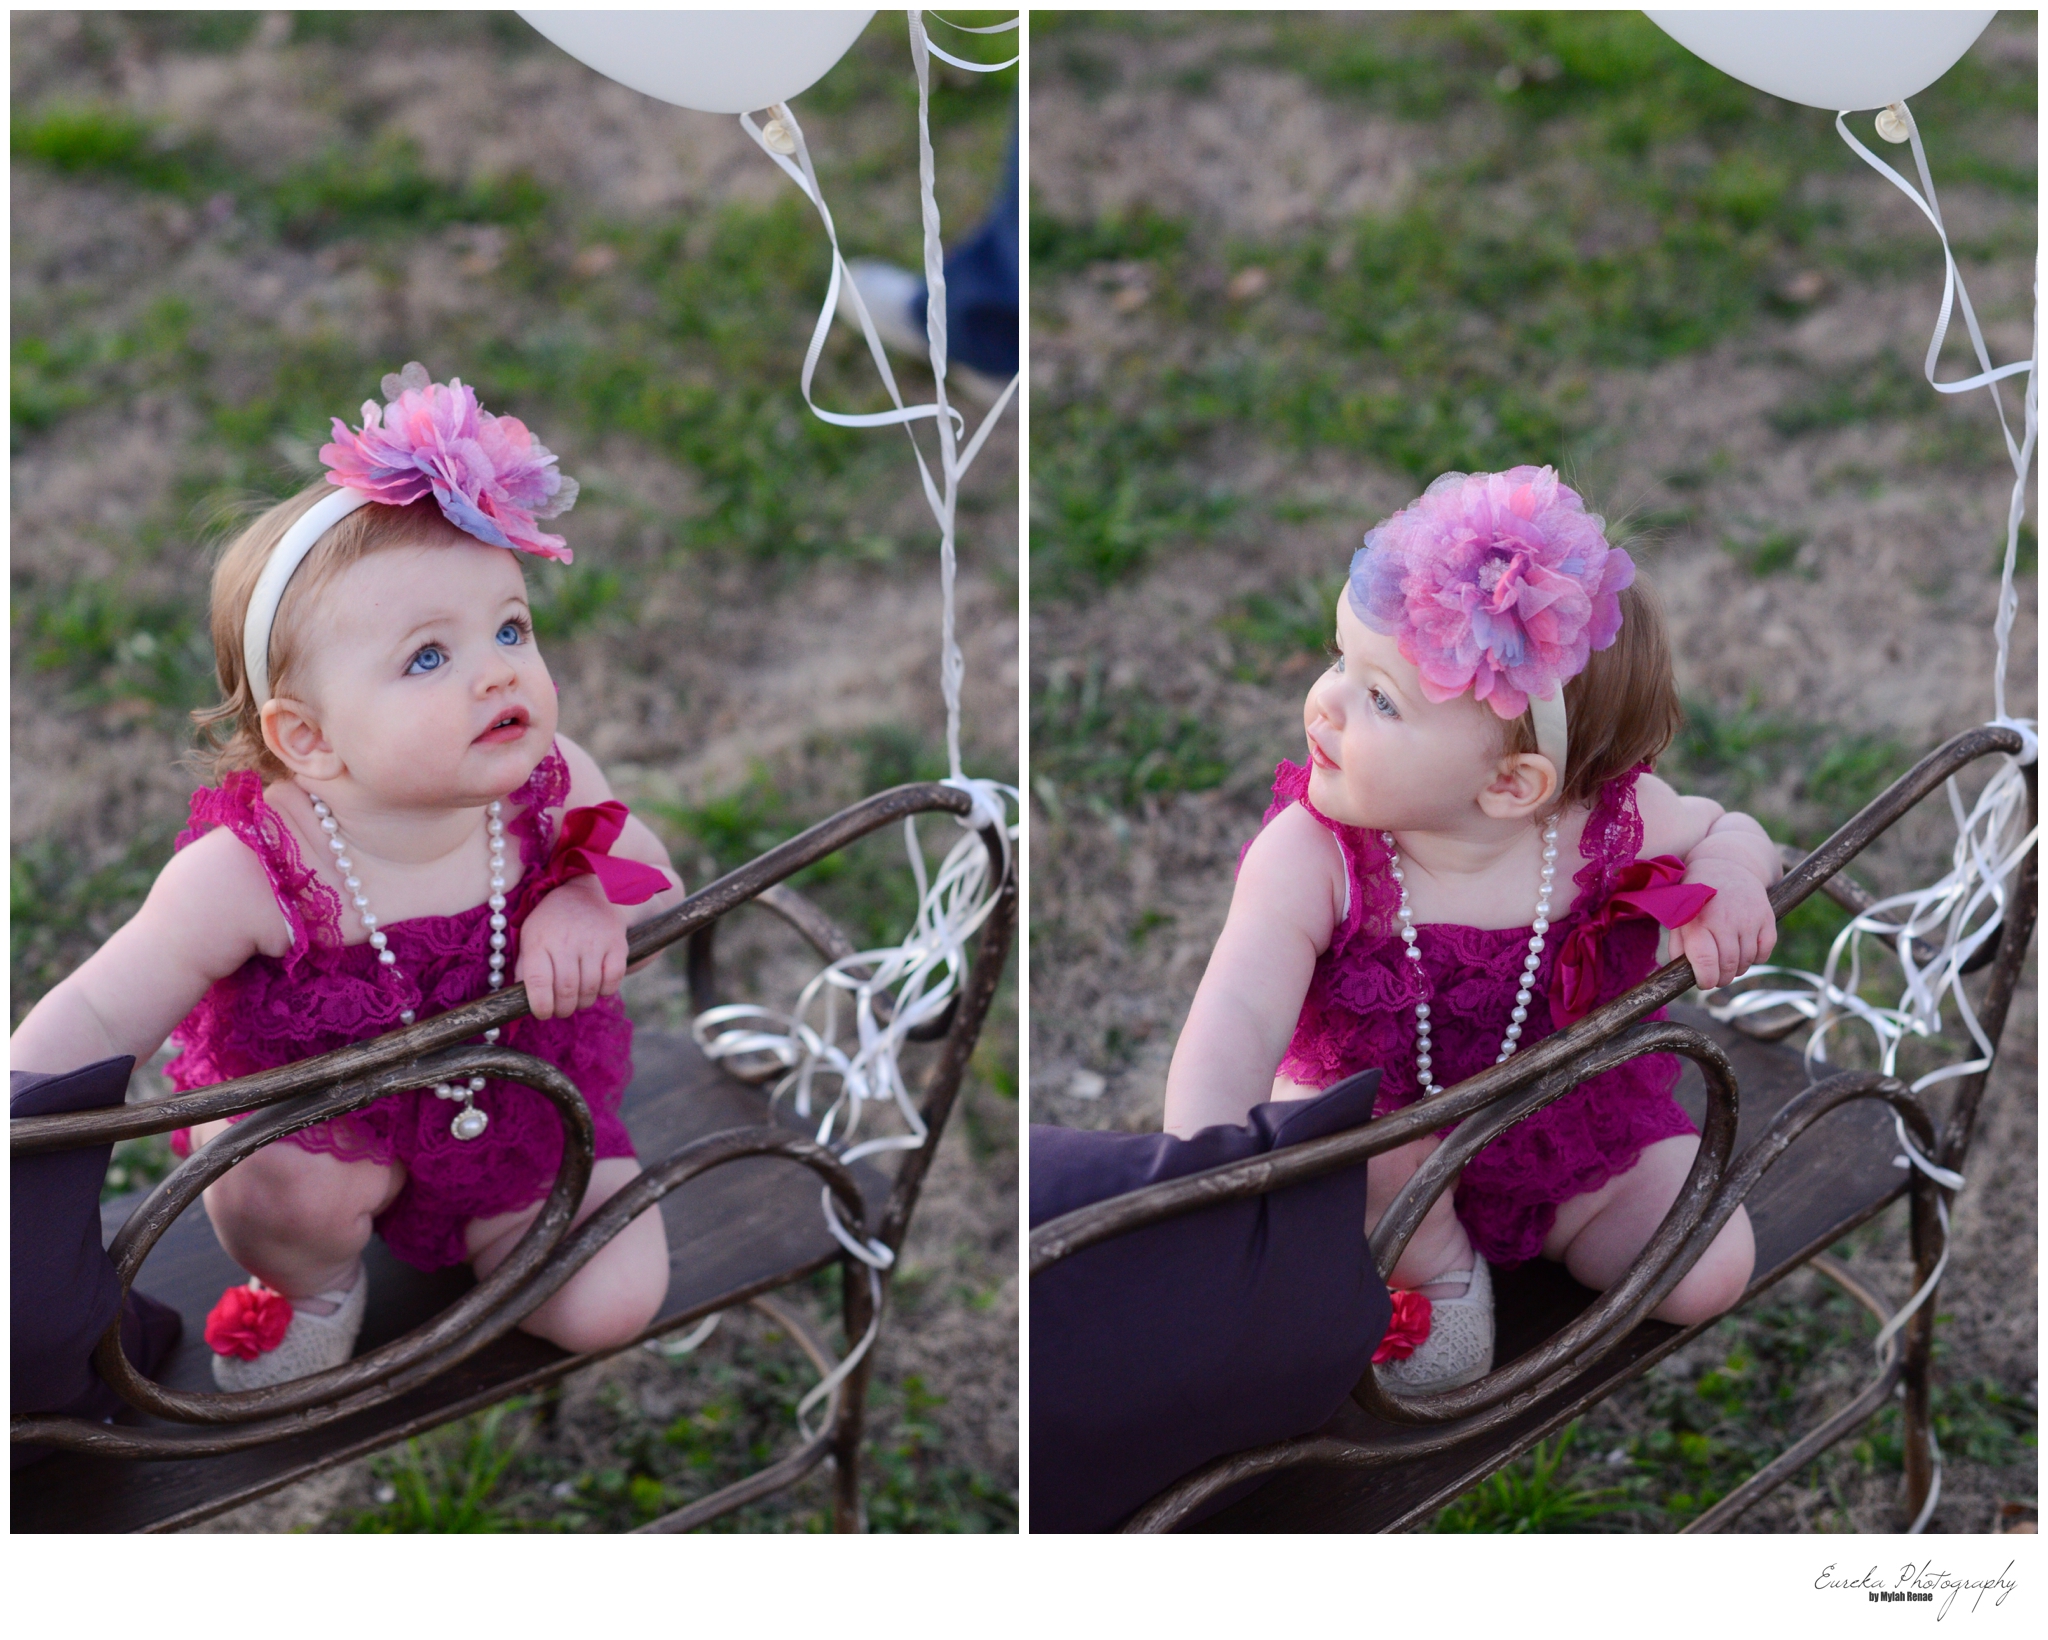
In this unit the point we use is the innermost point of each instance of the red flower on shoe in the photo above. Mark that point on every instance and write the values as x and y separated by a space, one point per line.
248 1321
1408 1329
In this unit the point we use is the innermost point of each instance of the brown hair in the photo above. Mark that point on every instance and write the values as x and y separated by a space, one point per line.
231 733
1622 710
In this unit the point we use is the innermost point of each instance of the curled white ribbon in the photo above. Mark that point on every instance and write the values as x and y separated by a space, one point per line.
1963 910
922 974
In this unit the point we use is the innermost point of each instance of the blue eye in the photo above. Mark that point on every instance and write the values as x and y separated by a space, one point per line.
511 633
429 659
1382 705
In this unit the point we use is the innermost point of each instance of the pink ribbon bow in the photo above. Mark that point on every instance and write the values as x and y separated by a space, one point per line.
584 850
1648 888
1408 1328
248 1321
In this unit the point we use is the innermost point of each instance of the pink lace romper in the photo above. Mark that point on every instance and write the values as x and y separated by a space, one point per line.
1360 1012
324 995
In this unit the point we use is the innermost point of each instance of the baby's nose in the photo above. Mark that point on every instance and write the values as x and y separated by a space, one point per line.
1326 698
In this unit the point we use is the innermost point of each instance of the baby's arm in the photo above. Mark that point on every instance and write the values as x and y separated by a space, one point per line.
1731 854
1289 898
210 910
573 948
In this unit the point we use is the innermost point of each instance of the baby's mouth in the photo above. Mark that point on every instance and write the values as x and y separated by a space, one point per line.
508 727
1319 757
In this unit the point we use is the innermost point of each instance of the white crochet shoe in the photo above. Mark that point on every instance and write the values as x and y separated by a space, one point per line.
312 1343
1459 1347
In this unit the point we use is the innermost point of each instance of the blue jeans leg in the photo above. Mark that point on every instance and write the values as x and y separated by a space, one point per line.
981 286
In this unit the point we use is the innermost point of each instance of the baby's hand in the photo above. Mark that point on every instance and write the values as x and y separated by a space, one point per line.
1737 927
572 949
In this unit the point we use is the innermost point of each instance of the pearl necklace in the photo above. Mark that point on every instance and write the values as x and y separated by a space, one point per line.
1537 930
469 1122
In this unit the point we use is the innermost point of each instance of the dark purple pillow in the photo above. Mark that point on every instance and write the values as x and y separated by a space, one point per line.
61 1285
62 1290
1227 1328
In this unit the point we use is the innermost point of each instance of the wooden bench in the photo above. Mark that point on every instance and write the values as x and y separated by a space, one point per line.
737 1180
1810 1162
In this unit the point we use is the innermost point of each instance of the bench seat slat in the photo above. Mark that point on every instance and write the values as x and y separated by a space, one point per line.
1836 1176
746 1227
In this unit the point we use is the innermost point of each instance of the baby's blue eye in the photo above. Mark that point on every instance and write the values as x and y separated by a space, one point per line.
511 633
1382 705
429 659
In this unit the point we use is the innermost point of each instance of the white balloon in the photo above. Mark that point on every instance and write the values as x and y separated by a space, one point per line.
719 62
1829 59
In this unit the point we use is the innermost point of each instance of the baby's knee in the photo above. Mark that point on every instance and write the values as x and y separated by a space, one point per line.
1714 1285
611 1300
285 1192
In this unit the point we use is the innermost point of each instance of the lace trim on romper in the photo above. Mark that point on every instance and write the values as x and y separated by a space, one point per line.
324 994
1360 1012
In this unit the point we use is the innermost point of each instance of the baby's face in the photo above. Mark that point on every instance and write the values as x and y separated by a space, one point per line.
1381 753
424 676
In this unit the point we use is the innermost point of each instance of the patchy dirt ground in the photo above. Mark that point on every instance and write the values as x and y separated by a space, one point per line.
226 227
1824 546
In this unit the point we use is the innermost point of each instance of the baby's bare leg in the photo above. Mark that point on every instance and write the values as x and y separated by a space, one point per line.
1599 1234
1439 1246
296 1219
612 1297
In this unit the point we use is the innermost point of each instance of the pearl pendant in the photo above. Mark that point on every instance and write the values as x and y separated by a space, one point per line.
1539 927
469 1122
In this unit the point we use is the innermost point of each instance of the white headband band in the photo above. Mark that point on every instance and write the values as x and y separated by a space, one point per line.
284 561
1552 740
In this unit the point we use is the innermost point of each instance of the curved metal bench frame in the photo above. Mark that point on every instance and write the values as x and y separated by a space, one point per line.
1484 1106
297 1096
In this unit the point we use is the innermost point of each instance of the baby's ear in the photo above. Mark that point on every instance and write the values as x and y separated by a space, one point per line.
1525 784
295 739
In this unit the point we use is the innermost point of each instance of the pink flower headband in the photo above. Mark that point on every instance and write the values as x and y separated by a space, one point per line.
489 476
1500 583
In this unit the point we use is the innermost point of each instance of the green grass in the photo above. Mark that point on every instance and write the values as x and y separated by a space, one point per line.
1886 388
63 905
1770 553
1670 1446
687 347
57 372
1110 490
501 1472
352 192
112 645
1284 633
1808 777
378 187
447 1482
1533 1495
680 355
1802 780
101 142
1060 248
663 368
1118 747
1977 1419
1607 201
868 887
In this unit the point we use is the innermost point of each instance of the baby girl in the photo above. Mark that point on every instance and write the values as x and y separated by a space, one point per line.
1500 690
386 739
